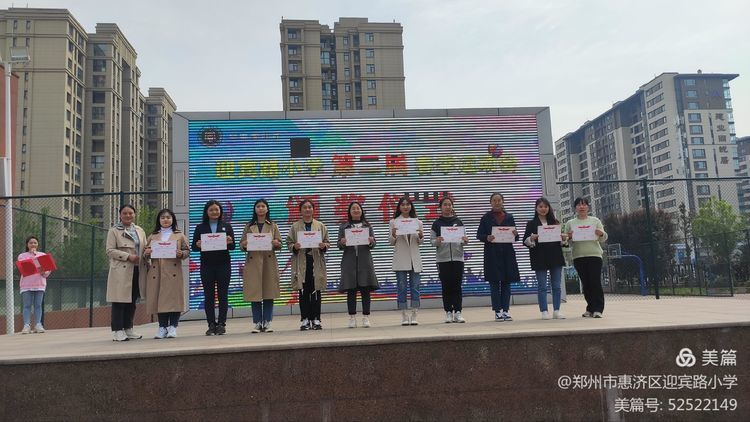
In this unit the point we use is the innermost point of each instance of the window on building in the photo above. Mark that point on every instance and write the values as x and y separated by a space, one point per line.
97 162
369 37
294 67
97 178
370 68
97 145
325 57
291 34
345 40
371 84
294 99
696 129
99 81
293 50
348 104
691 93
98 97
347 87
370 52
97 129
372 100
697 140
694 117
690 82
700 165
692 106
101 50
703 189
293 83
347 72
346 57
699 153
99 65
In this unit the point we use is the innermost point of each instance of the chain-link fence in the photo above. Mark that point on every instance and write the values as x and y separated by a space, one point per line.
73 229
669 237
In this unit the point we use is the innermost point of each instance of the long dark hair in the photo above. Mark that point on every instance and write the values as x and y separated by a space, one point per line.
550 215
157 228
349 213
26 243
254 220
412 212
205 210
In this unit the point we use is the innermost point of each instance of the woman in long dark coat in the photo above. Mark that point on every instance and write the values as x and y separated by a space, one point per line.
357 269
500 265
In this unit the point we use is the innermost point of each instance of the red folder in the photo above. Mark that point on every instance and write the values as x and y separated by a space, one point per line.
26 267
47 262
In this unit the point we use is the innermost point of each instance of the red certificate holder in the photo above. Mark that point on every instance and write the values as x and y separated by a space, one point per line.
27 267
47 263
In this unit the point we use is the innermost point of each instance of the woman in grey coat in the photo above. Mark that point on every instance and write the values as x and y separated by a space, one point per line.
357 269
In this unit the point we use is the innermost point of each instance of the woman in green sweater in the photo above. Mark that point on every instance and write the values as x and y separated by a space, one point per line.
587 234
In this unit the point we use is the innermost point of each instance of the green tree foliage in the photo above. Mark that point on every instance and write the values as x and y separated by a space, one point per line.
719 228
632 232
146 218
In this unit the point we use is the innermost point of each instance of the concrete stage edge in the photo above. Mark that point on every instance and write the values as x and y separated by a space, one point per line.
489 374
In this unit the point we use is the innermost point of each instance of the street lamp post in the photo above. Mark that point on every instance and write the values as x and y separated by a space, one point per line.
17 55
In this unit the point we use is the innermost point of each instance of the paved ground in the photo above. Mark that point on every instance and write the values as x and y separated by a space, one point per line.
620 315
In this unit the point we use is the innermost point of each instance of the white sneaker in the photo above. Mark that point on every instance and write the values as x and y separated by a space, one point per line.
258 327
26 329
545 315
352 321
132 334
304 325
448 317
458 318
317 325
413 320
405 318
587 314
119 336
499 316
161 333
366 322
597 314
558 315
171 331
506 316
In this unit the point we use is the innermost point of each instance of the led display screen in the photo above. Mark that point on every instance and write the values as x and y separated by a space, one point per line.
374 161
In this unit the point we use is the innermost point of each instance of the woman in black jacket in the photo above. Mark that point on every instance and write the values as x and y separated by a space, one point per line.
545 256
216 266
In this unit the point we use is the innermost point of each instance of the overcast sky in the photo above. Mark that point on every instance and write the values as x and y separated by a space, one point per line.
577 57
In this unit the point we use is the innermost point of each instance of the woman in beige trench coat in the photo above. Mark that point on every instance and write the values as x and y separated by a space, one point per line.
260 276
165 285
126 280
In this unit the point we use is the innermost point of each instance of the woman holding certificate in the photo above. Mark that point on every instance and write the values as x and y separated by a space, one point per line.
587 234
127 273
449 236
33 287
261 239
308 242
166 247
214 238
543 238
406 236
497 230
356 238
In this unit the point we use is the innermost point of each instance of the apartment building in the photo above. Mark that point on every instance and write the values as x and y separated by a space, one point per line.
676 126
159 109
743 170
358 65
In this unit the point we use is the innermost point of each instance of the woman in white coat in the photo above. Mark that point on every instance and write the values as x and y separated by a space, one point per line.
407 263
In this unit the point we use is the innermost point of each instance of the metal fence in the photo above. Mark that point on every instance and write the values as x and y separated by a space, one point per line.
73 229
669 236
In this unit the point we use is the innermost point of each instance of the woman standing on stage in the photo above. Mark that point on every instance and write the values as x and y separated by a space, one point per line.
545 257
216 266
357 269
260 276
587 256
407 262
450 261
500 265
165 286
308 266
126 280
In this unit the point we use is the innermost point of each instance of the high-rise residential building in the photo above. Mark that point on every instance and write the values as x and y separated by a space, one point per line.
357 66
743 170
50 105
81 112
676 126
159 110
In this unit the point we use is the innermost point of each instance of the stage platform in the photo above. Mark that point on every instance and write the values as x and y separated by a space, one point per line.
480 370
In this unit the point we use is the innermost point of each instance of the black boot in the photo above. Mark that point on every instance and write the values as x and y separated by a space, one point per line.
211 329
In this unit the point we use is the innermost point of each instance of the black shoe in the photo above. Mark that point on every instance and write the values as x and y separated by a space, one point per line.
211 329
221 329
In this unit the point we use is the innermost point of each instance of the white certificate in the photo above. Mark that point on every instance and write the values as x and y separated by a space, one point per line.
357 236
503 234
309 239
213 242
584 232
259 241
406 226
452 234
549 234
167 249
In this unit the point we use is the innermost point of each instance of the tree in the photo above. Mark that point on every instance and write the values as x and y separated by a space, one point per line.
719 227
146 218
633 233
